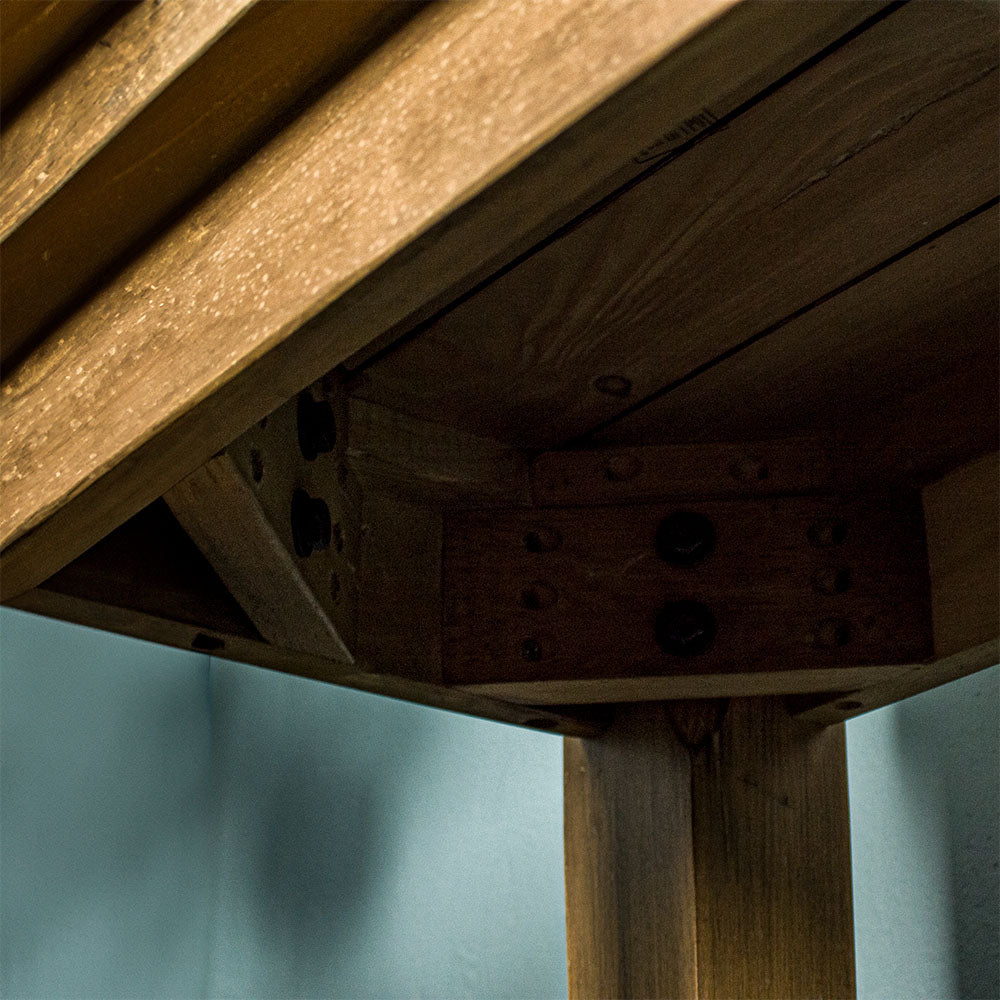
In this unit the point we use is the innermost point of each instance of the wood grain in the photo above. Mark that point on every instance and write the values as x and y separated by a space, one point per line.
571 595
35 33
153 376
940 301
630 894
772 859
717 875
884 141
125 136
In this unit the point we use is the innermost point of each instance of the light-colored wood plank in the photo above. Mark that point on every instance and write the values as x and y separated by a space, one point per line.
630 901
720 875
829 371
772 859
35 33
886 140
192 343
172 97
217 508
962 514
793 585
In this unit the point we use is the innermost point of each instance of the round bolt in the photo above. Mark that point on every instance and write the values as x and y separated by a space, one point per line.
310 524
685 628
613 385
827 533
685 538
538 595
317 427
622 468
531 650
542 539
831 580
831 633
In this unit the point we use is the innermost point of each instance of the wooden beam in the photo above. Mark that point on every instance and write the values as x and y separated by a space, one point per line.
168 101
962 513
193 342
788 594
721 874
771 211
148 580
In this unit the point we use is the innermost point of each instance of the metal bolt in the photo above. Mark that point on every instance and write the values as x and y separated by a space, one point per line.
685 538
831 580
685 628
310 524
317 427
827 533
542 539
538 595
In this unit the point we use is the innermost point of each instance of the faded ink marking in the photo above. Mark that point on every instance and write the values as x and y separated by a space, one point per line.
677 136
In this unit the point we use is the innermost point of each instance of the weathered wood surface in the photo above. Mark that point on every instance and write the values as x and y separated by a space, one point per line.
146 579
717 875
962 514
171 98
566 604
861 156
191 343
35 33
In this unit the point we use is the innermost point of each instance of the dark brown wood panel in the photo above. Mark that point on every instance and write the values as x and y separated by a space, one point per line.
583 598
886 140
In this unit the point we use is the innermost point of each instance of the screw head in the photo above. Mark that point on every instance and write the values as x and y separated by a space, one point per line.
685 628
542 538
827 533
531 650
685 538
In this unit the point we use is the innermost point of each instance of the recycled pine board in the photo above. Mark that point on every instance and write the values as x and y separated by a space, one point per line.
861 352
35 33
193 342
709 874
127 133
887 139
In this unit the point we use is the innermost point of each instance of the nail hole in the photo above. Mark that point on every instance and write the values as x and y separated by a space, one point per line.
827 533
256 465
832 633
531 650
542 539
613 385
849 706
317 428
538 596
832 580
622 468
749 469
207 643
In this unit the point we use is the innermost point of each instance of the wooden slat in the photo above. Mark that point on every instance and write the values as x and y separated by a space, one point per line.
560 605
192 343
962 513
886 140
725 470
722 875
630 902
35 33
172 97
861 352
147 580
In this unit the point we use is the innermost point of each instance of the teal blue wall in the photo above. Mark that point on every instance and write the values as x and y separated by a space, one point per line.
176 826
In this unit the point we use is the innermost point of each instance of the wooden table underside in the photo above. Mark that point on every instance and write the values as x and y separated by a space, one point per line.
581 366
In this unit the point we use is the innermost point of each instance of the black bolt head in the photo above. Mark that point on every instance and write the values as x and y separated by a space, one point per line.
685 628
310 524
531 650
685 538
